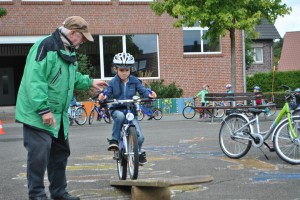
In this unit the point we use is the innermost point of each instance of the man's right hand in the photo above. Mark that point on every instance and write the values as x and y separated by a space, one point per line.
48 119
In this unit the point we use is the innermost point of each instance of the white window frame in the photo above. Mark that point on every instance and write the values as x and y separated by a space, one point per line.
202 45
124 50
90 0
262 55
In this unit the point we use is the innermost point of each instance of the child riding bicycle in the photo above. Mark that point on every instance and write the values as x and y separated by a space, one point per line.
124 86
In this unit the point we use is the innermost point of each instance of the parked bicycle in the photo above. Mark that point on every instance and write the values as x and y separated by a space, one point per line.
98 111
189 111
155 113
237 134
127 156
78 114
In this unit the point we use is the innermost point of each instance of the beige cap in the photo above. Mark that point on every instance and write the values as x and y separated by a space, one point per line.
79 24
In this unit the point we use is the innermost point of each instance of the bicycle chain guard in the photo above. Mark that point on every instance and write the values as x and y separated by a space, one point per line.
258 141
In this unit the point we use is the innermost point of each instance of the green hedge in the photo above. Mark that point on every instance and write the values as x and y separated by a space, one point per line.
264 81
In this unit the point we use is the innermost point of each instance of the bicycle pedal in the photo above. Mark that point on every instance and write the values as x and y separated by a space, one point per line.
272 150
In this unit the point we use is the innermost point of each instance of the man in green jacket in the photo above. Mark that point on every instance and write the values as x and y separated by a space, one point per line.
49 79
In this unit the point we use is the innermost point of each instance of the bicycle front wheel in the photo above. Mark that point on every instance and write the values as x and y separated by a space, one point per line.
272 109
91 117
121 162
80 116
157 113
133 153
218 113
141 115
188 112
287 148
233 139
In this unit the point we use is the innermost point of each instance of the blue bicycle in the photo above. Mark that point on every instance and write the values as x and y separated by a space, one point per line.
155 113
101 112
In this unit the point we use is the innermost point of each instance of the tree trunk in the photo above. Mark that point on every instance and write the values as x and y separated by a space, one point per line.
233 63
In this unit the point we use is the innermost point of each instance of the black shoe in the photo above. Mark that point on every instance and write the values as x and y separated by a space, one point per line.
43 197
113 145
66 196
142 158
151 117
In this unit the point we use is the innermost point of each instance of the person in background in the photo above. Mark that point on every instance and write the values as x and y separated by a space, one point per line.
44 96
202 93
125 86
229 91
260 101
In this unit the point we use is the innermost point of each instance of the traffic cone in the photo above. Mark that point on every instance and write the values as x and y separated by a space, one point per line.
1 128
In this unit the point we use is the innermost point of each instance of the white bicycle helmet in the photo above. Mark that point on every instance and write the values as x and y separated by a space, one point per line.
228 86
123 60
257 88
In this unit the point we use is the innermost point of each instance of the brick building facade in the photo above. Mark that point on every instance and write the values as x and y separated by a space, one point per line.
27 18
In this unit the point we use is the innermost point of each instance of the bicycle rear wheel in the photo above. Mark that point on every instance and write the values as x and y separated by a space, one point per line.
133 153
234 143
121 162
107 117
287 148
91 117
188 112
157 113
141 115
80 116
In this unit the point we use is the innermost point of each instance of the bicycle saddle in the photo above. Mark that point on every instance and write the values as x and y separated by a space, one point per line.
255 111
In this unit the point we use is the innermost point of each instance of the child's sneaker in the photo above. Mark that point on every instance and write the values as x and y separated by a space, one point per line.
142 158
113 145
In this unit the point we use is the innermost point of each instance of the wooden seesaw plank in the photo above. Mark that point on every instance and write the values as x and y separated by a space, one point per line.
154 189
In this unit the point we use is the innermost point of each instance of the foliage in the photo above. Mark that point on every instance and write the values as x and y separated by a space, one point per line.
221 16
84 67
264 81
277 51
3 12
249 52
165 91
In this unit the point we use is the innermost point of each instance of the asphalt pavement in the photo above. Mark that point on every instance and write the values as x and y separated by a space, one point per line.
175 146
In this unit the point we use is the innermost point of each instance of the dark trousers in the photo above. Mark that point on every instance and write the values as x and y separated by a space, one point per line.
46 152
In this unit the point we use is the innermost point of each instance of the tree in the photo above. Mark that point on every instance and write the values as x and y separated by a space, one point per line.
221 16
3 12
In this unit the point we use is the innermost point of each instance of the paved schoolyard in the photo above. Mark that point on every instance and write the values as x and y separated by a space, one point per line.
175 147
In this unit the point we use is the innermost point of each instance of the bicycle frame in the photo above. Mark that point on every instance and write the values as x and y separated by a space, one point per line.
148 113
266 134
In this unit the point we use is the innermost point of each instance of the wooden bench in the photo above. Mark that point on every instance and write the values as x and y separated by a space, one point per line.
235 98
157 189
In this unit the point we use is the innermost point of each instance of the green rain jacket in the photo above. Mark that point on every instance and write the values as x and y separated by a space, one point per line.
48 82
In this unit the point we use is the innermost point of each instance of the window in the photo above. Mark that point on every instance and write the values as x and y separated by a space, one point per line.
144 48
193 42
258 54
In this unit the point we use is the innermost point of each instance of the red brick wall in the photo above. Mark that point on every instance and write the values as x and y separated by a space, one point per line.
189 72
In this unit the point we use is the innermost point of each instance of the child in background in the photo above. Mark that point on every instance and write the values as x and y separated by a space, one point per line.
202 93
229 91
260 101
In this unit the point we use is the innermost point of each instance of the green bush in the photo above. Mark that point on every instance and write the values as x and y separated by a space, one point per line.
165 91
264 81
84 67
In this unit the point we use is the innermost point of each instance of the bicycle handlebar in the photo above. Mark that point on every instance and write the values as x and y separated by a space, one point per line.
116 101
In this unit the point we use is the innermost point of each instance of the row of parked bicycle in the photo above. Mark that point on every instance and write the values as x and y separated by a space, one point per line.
78 114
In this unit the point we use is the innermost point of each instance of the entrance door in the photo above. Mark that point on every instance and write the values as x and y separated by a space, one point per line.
7 88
